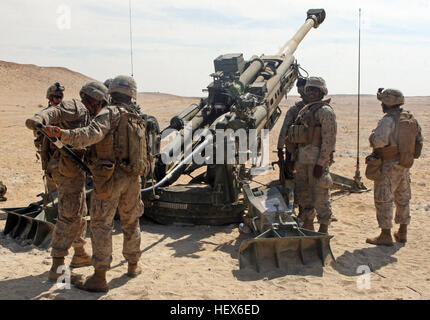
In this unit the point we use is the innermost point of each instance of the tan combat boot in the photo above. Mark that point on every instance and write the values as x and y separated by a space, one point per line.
308 224
56 262
96 283
134 270
384 238
400 235
80 258
323 228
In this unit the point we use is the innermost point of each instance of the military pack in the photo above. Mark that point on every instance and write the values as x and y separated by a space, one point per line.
130 143
406 135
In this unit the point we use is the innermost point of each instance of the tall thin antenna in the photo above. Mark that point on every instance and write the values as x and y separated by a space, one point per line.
131 41
357 177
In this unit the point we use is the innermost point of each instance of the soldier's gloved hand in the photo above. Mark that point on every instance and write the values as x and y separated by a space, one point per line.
32 124
318 171
291 166
52 131
280 155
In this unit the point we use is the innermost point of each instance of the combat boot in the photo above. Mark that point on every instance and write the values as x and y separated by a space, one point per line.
80 258
134 270
384 238
323 228
96 283
56 262
308 224
400 235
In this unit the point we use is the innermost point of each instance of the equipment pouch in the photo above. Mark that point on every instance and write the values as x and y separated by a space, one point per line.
103 179
373 167
418 149
406 159
67 167
298 133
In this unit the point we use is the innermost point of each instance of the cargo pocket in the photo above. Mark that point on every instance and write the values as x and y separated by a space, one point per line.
373 168
103 179
325 182
67 167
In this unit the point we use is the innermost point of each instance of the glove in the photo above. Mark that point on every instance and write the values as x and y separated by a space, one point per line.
281 155
32 124
52 131
291 166
318 171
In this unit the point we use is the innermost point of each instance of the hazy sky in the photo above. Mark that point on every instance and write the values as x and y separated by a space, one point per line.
176 41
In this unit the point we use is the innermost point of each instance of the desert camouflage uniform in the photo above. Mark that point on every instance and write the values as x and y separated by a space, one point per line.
394 184
291 115
314 193
125 195
46 150
70 227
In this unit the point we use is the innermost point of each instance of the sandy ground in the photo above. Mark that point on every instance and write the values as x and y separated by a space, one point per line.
201 262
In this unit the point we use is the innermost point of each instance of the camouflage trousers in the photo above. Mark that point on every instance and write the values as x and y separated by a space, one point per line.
125 198
394 187
71 225
313 194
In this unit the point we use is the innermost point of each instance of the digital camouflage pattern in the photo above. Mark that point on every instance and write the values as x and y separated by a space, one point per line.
321 155
124 195
317 82
69 179
394 185
291 115
390 97
126 198
314 193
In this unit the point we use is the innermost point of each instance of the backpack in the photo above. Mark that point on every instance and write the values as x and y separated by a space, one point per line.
406 133
131 143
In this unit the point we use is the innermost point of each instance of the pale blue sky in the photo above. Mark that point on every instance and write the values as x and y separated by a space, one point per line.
175 42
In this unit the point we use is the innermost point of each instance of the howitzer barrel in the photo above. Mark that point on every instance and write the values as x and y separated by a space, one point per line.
314 19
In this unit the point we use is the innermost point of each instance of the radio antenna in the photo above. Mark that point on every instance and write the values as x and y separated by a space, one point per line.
131 41
357 176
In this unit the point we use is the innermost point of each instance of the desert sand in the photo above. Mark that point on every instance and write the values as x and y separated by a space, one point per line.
201 262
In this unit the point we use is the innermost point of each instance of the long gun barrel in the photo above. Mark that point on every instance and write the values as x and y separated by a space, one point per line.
246 92
314 19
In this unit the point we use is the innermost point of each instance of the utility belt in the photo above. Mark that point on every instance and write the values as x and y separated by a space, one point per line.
387 153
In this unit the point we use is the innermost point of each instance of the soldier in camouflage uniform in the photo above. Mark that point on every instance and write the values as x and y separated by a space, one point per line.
314 133
46 149
115 187
70 227
393 187
289 119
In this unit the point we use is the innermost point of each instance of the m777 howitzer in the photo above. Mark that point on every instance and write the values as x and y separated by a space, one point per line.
244 95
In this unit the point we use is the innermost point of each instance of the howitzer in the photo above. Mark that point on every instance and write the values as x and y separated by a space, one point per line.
244 95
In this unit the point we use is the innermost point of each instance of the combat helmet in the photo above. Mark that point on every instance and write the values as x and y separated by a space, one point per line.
317 82
96 90
390 97
56 88
125 85
108 82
